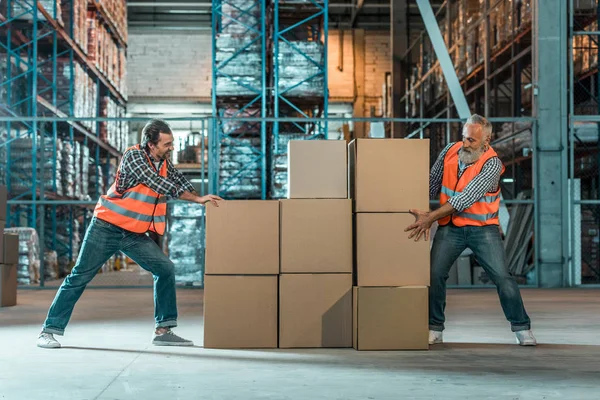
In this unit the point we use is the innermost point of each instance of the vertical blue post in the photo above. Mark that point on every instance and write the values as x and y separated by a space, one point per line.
212 142
263 132
325 61
276 76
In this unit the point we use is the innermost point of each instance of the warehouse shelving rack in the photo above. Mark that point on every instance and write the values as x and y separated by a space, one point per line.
253 35
31 38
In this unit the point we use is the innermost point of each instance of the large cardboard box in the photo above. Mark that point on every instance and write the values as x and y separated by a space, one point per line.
316 236
2 225
8 285
11 249
389 175
315 310
242 238
240 311
390 318
3 204
385 256
317 169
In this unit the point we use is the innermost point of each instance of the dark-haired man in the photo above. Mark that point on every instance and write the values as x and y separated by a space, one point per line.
134 206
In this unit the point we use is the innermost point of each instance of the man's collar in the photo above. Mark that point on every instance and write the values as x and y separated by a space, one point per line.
149 155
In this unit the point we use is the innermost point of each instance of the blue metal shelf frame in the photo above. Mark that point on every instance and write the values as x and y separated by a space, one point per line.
257 102
317 21
22 50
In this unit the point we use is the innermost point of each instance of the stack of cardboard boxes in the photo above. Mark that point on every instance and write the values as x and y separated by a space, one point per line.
280 274
390 300
9 256
315 292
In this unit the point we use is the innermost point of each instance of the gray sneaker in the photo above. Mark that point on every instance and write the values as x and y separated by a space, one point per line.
170 339
47 341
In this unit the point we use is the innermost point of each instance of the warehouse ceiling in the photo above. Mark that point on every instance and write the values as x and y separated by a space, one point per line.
196 14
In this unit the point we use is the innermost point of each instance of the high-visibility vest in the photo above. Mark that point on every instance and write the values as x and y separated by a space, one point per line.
485 210
139 209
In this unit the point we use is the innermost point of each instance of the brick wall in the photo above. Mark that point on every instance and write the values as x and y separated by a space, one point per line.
179 65
169 65
377 63
341 83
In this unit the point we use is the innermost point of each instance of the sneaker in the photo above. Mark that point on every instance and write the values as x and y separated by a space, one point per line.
170 339
47 341
436 337
526 338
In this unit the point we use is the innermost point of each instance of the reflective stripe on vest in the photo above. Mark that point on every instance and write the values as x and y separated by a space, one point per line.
131 214
482 212
136 196
485 199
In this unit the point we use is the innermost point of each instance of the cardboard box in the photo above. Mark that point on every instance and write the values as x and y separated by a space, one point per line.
315 310
390 318
317 169
389 175
240 311
2 224
11 249
316 236
8 285
3 204
242 238
385 256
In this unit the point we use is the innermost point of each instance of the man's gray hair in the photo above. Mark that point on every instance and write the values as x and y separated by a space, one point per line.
486 126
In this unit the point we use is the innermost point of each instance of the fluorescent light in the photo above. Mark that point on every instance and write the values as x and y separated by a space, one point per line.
508 180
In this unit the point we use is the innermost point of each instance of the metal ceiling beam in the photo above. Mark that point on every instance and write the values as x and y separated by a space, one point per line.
441 51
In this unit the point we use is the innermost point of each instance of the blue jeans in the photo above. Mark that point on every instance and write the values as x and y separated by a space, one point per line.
102 240
486 243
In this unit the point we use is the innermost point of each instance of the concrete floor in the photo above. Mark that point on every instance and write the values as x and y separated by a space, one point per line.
107 355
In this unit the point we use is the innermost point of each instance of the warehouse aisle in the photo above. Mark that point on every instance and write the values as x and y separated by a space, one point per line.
107 355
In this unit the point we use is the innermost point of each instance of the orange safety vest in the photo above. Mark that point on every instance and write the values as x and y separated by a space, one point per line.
139 209
484 211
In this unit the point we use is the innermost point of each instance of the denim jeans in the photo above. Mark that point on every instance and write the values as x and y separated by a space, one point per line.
486 243
101 241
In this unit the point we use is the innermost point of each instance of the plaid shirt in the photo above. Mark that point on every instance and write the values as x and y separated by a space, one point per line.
135 169
486 181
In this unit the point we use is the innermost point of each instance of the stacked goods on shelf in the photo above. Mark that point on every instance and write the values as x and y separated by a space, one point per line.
245 67
239 157
104 51
116 11
392 272
17 88
184 242
68 169
77 160
113 132
85 172
295 68
9 257
21 168
28 267
85 97
46 87
79 22
97 185
242 267
23 10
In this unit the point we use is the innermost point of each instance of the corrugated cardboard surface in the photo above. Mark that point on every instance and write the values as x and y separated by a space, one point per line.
316 236
240 311
389 175
391 318
315 310
8 285
11 249
3 204
317 169
242 237
384 254
2 224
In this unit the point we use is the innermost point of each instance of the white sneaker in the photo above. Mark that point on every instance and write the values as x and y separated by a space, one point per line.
47 341
436 337
526 338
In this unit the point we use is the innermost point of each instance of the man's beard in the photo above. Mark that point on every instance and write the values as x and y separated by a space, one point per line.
470 156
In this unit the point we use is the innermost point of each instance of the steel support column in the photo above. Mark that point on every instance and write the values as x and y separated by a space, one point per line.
551 169
399 32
